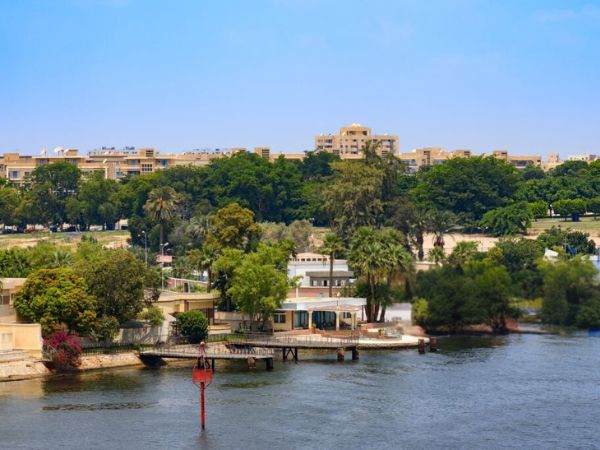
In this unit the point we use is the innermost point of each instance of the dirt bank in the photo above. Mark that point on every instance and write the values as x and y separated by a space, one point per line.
27 368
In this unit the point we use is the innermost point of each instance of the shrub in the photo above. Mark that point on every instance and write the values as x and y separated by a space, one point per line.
420 311
65 350
193 325
153 315
538 209
106 328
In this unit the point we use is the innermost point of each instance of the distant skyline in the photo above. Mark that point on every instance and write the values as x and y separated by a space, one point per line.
516 75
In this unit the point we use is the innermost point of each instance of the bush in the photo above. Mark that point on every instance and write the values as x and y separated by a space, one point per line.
193 325
538 209
65 350
568 207
106 328
420 310
153 315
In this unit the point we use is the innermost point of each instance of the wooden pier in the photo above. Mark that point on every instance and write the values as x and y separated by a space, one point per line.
291 343
212 353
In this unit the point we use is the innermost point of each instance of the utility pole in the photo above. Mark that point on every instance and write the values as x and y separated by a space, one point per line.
145 246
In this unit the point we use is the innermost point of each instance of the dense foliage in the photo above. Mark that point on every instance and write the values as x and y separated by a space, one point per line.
193 325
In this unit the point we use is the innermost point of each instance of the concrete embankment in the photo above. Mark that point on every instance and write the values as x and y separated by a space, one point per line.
24 368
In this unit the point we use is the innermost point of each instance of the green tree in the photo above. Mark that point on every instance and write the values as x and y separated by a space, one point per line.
222 272
353 198
572 242
258 286
440 223
573 208
161 207
491 295
193 325
203 260
9 202
469 187
316 165
233 227
508 220
570 287
119 282
420 312
15 263
55 297
332 246
50 187
538 209
153 315
593 206
379 257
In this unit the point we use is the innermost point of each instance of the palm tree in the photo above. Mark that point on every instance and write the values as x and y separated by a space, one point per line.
367 259
440 223
398 264
204 259
161 206
332 247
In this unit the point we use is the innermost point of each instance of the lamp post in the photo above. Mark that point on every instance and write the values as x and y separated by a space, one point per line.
145 246
162 265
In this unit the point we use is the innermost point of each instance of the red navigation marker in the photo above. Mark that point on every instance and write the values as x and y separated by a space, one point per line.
202 376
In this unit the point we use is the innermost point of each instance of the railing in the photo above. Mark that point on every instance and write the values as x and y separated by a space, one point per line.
210 352
290 340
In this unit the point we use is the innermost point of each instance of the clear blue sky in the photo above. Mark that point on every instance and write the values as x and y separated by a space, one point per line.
519 75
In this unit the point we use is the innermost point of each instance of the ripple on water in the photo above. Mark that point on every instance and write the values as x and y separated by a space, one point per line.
97 406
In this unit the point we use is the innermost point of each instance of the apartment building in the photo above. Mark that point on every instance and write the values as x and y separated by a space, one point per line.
430 156
351 139
520 162
113 163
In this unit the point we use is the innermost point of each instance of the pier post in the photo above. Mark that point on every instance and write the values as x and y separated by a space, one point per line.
355 354
340 354
296 354
251 363
421 346
269 362
212 364
432 344
284 353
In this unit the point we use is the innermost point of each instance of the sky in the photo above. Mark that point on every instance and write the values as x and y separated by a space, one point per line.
176 75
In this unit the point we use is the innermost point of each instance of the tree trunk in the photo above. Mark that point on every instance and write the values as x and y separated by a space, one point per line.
420 251
331 275
382 314
160 225
208 281
370 317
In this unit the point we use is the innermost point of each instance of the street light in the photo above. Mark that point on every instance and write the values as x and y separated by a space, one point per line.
145 247
162 265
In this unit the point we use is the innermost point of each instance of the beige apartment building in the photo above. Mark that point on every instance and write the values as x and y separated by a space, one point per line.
351 139
430 156
114 164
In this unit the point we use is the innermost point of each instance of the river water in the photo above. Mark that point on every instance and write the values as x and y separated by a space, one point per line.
525 391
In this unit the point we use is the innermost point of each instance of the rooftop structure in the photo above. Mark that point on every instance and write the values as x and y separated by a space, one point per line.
351 139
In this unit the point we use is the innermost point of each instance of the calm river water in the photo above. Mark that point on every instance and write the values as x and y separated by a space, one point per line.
476 392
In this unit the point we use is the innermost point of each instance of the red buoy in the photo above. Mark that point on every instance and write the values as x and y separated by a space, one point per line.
202 376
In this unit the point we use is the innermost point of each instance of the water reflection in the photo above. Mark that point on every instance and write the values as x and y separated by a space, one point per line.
118 380
97 406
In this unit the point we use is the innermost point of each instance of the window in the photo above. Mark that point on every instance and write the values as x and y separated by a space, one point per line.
14 174
146 167
279 318
346 315
4 299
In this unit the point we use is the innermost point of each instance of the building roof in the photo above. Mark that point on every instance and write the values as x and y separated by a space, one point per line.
336 274
318 303
11 283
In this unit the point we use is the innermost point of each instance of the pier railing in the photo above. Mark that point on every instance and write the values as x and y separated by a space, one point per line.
315 340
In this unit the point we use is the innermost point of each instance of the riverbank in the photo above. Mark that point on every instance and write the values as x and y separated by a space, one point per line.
24 368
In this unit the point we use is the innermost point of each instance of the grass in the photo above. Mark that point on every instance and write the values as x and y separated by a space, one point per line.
586 224
28 239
